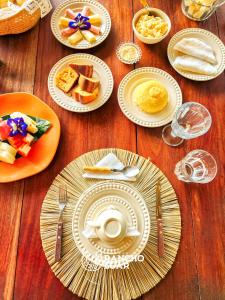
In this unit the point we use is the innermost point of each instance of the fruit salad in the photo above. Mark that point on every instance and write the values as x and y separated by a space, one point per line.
18 132
84 25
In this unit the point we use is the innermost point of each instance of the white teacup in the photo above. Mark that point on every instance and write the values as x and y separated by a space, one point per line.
110 226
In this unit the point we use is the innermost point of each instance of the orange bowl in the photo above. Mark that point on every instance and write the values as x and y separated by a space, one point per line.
43 150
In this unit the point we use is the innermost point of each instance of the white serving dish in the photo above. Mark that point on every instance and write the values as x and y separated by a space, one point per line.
156 12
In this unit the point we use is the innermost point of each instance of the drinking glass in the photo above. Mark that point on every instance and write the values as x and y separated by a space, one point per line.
198 166
191 120
199 10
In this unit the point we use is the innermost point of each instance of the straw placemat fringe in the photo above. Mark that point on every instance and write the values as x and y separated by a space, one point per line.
103 284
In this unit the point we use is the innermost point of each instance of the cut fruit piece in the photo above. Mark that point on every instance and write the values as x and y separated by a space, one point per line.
95 19
68 31
64 22
95 29
6 147
28 139
31 124
7 157
75 38
88 84
66 79
86 11
84 97
70 13
24 150
16 141
4 130
90 37
86 70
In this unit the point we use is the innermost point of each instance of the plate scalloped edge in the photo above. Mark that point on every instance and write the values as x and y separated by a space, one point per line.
131 116
196 77
72 107
80 46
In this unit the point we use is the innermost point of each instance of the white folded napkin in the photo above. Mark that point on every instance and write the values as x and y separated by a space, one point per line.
110 161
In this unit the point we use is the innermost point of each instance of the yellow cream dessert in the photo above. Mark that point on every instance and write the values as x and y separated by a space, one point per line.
151 96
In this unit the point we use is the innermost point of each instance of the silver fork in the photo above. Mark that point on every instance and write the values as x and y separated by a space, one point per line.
62 205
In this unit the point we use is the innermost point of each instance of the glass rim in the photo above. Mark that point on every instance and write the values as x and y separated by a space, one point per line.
208 6
207 153
198 104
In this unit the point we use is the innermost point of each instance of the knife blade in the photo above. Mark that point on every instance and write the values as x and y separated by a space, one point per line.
161 249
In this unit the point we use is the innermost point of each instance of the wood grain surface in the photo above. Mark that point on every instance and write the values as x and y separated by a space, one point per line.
199 270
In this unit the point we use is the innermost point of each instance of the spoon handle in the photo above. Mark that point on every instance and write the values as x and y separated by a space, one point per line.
144 3
97 169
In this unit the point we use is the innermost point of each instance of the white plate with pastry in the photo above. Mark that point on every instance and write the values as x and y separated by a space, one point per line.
80 82
197 54
80 24
149 97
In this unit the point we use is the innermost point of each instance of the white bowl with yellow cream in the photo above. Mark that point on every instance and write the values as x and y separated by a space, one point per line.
151 30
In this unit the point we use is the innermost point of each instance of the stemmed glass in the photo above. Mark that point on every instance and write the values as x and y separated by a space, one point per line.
198 166
191 120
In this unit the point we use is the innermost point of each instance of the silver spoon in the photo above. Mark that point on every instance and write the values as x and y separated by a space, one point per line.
128 171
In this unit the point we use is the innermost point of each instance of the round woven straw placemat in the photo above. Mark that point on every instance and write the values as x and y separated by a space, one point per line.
116 284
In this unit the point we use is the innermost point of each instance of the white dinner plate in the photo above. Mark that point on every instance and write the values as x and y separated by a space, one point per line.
131 110
101 71
77 6
98 198
206 36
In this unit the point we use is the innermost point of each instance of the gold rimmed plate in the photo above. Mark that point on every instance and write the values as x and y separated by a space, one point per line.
77 6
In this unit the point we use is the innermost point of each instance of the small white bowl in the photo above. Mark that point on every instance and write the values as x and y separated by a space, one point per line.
155 12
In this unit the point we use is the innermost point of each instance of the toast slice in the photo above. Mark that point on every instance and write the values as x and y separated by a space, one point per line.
88 84
66 79
84 97
86 70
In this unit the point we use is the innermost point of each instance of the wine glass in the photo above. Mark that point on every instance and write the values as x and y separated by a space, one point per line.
191 120
198 166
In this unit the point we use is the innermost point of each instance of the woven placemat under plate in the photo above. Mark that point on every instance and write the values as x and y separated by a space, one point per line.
116 284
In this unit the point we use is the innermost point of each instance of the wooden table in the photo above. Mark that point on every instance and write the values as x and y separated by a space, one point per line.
199 270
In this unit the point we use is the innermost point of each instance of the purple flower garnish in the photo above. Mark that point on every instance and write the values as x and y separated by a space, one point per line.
80 22
18 126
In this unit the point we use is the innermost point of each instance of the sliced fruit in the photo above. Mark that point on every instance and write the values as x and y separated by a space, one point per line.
89 36
84 97
86 11
66 79
16 141
68 31
4 130
7 157
24 150
95 29
86 70
88 84
95 19
70 13
28 139
31 124
6 147
75 38
65 21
